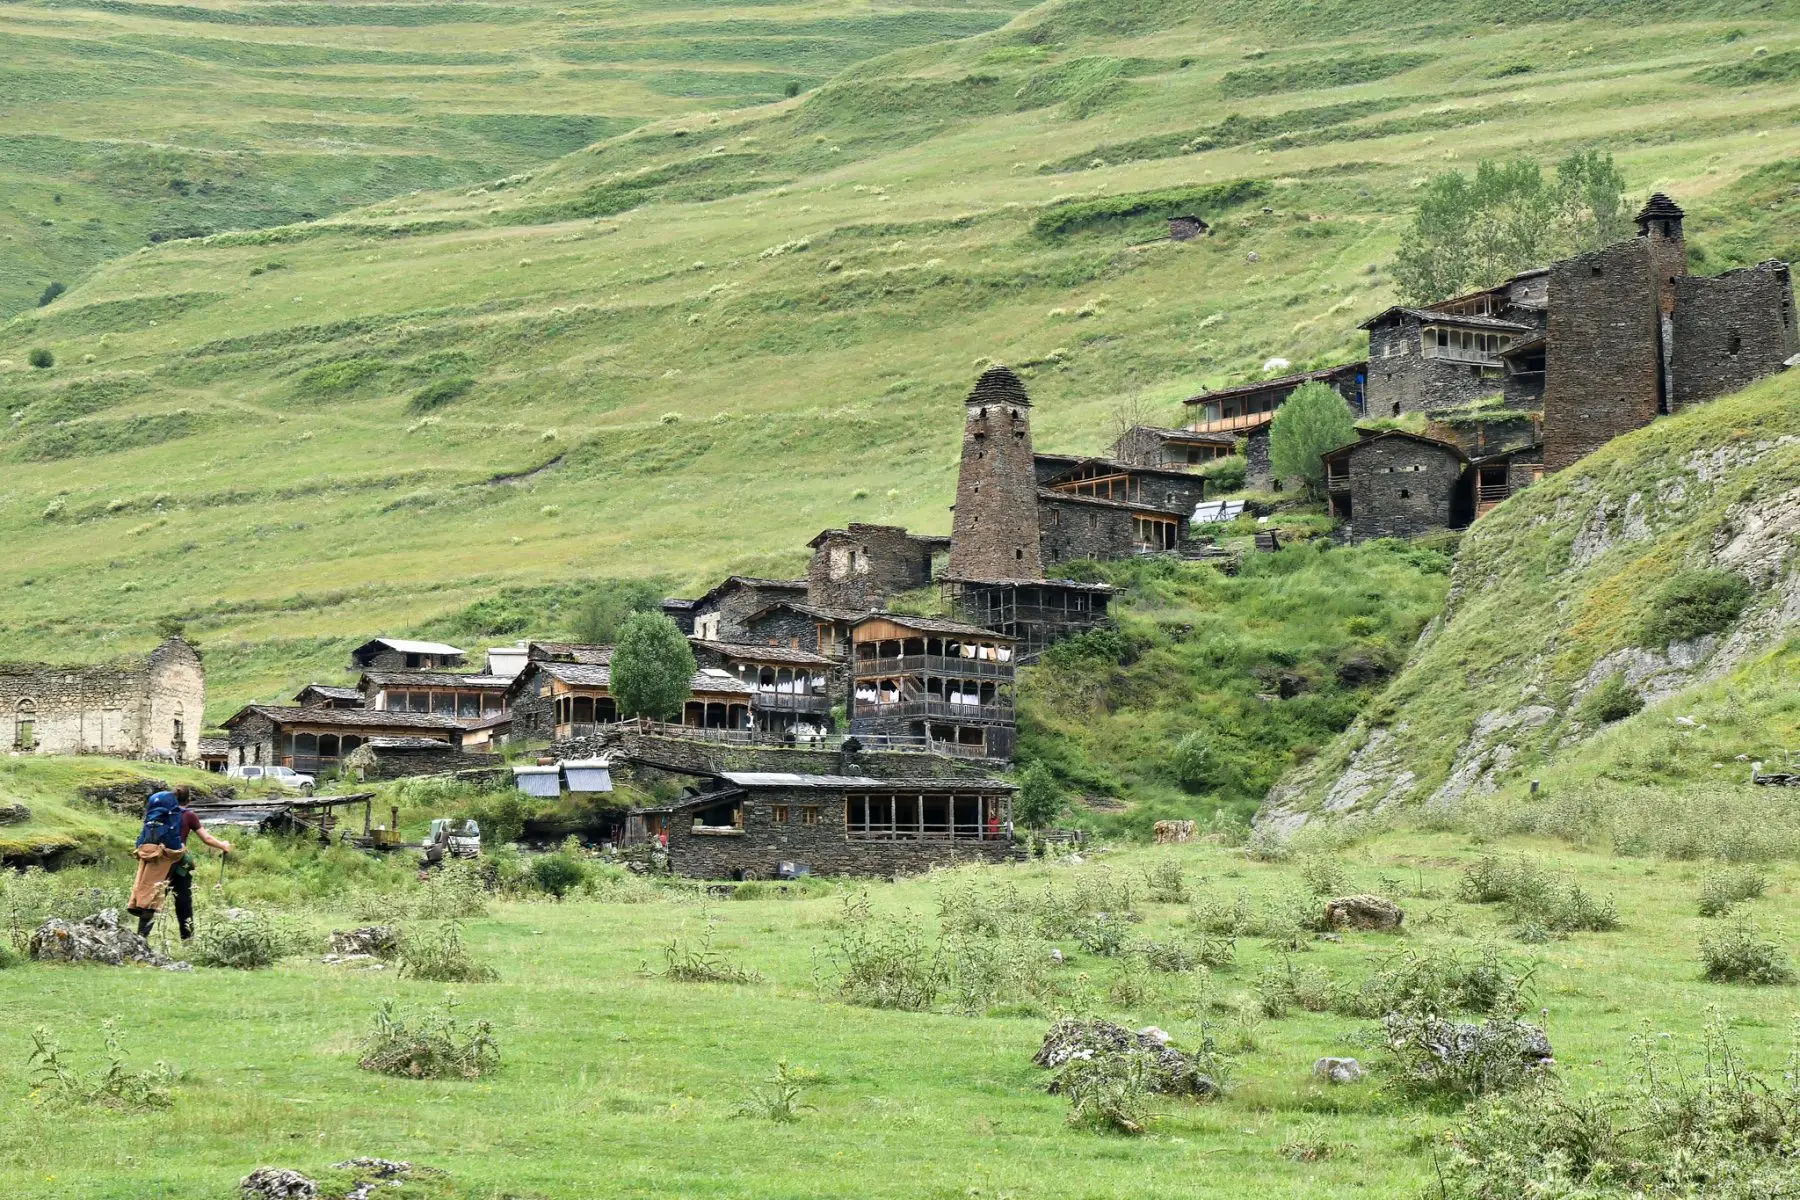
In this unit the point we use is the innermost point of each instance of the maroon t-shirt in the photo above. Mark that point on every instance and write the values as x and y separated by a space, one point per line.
190 823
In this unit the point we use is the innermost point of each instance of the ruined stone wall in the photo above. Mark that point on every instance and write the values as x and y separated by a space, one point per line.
370 763
861 566
1731 330
1402 380
1401 488
995 532
1069 528
758 850
127 708
1604 360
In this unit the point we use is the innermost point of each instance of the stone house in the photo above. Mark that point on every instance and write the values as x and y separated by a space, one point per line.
1102 509
762 825
315 741
719 615
1422 359
325 695
466 697
554 700
1397 484
130 708
681 612
940 685
794 689
861 566
1154 446
1246 411
398 654
215 754
822 631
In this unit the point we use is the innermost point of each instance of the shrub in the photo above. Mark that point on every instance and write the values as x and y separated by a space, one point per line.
1720 891
1692 604
886 964
440 955
1066 217
54 1080
40 357
984 972
1431 1054
1194 763
1103 934
1283 986
246 943
1109 1090
698 962
1324 876
557 873
1739 953
49 294
439 392
1039 801
1167 957
1226 474
429 1044
777 1099
1442 982
1165 884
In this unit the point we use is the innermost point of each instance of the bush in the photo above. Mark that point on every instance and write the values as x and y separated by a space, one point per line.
439 955
1166 957
246 943
1165 883
440 392
1311 422
1431 1054
1440 983
55 1080
1039 801
49 294
1194 763
886 964
1109 1090
1324 876
1720 891
557 873
41 358
698 962
1226 474
1103 934
1740 954
778 1099
429 1044
1281 987
1692 604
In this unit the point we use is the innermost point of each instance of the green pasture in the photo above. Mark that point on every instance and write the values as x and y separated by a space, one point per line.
618 1083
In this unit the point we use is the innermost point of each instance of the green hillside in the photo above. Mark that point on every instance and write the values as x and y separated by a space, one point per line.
1625 627
688 347
124 123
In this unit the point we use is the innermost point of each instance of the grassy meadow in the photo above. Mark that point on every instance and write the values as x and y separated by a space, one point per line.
685 348
618 1081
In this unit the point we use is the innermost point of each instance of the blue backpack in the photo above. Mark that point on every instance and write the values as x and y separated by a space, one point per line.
162 822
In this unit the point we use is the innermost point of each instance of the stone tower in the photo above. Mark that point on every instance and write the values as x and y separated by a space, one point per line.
995 533
1659 225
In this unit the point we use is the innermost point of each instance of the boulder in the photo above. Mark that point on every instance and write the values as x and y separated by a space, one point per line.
277 1183
1363 912
1459 1047
1175 1073
1167 832
1338 1070
375 941
96 939
14 814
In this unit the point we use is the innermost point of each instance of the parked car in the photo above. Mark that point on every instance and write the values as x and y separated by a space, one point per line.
285 777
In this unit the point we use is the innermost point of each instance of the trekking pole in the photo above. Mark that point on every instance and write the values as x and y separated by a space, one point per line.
222 857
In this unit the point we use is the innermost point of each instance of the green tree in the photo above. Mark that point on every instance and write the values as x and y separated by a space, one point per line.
1039 801
1474 232
604 610
1312 420
652 667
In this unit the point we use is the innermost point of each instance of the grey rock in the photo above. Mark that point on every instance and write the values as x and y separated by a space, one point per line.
1338 1070
1175 1073
1363 912
277 1183
14 814
96 939
379 941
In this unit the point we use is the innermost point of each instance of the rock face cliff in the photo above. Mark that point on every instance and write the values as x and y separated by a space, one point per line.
1663 564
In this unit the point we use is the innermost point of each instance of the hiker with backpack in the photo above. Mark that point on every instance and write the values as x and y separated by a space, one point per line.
163 864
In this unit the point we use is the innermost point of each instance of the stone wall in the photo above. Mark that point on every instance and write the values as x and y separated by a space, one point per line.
784 627
995 530
861 566
697 757
1402 380
253 741
134 707
1400 487
1731 330
1071 527
368 762
1259 472
533 707
736 605
1604 361
762 845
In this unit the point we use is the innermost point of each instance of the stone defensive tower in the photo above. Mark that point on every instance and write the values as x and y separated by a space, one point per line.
995 533
1659 225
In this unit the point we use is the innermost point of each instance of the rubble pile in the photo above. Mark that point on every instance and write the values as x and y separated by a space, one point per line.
1176 1073
96 939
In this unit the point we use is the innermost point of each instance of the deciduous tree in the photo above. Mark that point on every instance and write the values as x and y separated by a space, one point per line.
652 667
1313 420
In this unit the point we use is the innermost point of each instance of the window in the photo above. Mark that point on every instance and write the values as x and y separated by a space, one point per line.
809 814
412 662
1734 343
779 814
25 726
1405 495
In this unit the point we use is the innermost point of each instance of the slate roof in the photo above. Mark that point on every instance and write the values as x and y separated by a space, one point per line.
934 625
575 652
406 647
1370 439
1045 493
751 652
1280 381
442 679
345 717
1122 468
597 675
330 692
1432 316
750 581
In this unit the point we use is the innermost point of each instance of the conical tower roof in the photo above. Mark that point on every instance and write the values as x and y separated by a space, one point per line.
1660 208
998 385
